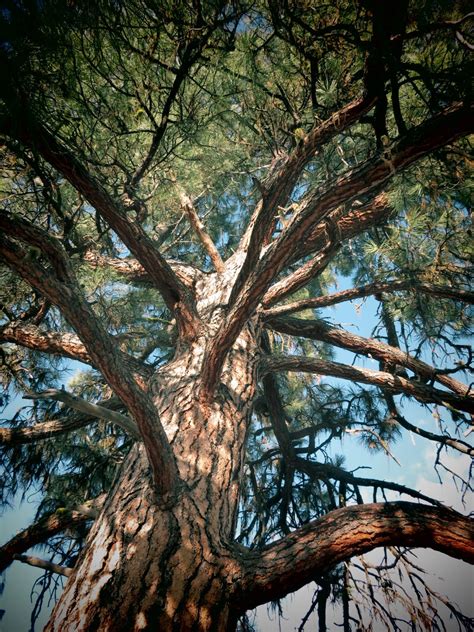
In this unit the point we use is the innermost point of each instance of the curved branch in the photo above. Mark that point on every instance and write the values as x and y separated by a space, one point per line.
63 344
387 381
42 530
282 181
37 562
328 470
88 408
48 429
66 294
319 330
456 444
368 290
294 560
454 122
176 295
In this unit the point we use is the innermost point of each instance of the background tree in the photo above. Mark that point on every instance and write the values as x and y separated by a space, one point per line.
183 185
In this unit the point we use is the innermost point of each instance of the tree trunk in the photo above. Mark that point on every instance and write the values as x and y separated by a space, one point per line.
151 566
147 567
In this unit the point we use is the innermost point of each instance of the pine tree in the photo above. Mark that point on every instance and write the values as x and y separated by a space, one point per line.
184 185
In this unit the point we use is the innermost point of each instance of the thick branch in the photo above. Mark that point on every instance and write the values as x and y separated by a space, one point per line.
369 290
48 429
319 330
41 531
51 342
198 226
63 344
88 408
393 383
37 562
326 239
175 294
66 294
134 272
369 177
317 547
277 190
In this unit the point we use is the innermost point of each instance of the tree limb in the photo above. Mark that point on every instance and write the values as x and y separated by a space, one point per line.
88 408
456 444
176 295
347 226
328 470
210 247
64 292
315 548
134 272
386 381
63 344
367 178
37 562
51 342
319 330
282 181
326 239
48 429
40 531
368 290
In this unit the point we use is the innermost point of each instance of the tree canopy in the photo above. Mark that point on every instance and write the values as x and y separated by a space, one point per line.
179 175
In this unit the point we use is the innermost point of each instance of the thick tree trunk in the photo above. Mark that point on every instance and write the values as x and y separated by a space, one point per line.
151 566
146 567
149 569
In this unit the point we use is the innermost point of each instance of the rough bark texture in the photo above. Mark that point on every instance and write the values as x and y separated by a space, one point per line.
149 567
169 569
353 531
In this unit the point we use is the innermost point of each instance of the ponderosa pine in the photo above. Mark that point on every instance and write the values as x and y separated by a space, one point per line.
184 185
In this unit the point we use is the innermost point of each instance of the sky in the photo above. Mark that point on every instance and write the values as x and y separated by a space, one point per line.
416 456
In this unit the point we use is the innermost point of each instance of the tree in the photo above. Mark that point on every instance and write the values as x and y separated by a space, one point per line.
179 181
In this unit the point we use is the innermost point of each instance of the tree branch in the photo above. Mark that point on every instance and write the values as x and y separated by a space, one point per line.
134 272
347 227
283 179
51 342
369 290
393 383
328 470
63 344
210 247
176 295
325 240
315 548
365 179
319 330
44 529
37 562
64 292
88 408
456 444
48 429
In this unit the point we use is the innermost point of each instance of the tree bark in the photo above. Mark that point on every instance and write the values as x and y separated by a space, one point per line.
149 567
